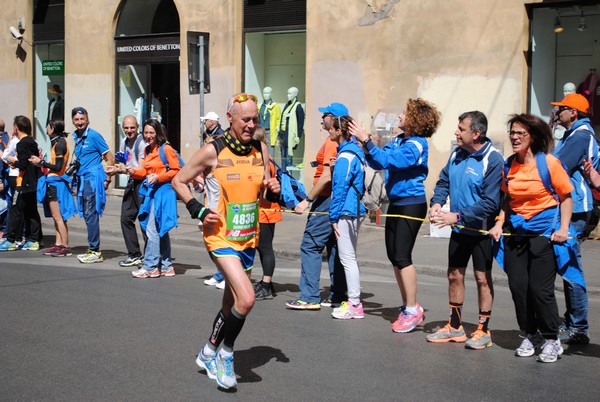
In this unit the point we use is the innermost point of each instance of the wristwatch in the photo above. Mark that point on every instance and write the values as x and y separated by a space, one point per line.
309 199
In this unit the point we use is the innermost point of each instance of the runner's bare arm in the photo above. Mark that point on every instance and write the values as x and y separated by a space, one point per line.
271 184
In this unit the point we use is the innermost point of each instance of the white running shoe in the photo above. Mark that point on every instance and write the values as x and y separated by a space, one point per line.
211 282
225 374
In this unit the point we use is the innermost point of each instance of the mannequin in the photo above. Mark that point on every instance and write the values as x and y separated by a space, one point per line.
139 109
291 127
269 114
56 106
557 130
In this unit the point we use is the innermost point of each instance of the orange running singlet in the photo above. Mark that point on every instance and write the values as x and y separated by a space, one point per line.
239 181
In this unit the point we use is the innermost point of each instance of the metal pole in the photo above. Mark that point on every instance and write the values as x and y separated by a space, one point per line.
201 79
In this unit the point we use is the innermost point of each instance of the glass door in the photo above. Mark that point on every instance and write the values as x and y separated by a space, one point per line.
149 91
133 96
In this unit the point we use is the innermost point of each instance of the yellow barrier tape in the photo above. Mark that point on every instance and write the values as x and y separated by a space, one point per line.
370 215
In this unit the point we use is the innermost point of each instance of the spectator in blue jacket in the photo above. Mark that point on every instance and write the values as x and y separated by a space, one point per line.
346 211
472 179
577 145
405 159
90 150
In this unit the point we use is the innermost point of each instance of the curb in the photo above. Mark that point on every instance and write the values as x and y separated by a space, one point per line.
499 279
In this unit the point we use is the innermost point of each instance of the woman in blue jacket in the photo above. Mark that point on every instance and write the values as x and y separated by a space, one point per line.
405 159
346 211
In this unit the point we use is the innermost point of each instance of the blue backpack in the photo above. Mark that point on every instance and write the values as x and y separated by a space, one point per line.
292 191
163 156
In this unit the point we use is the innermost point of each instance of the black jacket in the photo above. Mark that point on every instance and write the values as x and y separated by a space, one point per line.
28 173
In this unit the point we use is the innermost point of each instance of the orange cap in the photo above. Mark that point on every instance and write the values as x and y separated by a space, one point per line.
574 101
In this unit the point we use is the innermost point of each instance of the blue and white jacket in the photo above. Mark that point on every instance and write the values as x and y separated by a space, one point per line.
405 160
472 180
163 200
348 170
578 144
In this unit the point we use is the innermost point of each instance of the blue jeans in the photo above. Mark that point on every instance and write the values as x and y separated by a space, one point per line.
286 160
218 276
576 295
91 217
318 235
158 249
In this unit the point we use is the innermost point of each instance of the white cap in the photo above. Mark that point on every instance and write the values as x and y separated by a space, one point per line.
210 116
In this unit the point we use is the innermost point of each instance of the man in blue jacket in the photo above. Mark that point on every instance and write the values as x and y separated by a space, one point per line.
90 150
578 144
472 179
318 233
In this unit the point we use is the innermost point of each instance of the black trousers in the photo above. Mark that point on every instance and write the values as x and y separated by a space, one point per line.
24 216
130 209
265 248
531 268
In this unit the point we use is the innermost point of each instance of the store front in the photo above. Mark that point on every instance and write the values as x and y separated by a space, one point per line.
275 57
147 51
49 68
564 49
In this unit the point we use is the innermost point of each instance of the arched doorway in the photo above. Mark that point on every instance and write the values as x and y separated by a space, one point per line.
147 46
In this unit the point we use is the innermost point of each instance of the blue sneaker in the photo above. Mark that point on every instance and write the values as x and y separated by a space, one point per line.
31 245
225 374
8 246
208 363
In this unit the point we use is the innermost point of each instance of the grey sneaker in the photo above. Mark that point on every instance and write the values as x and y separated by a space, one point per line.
550 351
527 347
208 363
225 374
479 340
447 334
262 292
572 335
302 305
132 261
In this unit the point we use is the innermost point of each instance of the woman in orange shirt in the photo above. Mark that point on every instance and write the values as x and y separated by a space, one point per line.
158 212
264 290
541 213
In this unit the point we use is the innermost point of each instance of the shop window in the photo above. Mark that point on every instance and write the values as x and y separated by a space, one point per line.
275 56
49 68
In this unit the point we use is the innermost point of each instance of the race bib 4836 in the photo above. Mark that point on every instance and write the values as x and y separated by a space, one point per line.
242 221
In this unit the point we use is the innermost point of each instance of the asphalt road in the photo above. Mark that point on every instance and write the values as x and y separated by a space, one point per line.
70 332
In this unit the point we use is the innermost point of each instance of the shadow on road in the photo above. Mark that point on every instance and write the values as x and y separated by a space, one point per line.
589 350
248 360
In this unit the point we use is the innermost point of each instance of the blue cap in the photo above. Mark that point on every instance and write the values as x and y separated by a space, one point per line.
336 109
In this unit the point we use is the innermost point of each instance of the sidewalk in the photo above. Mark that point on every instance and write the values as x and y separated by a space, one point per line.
429 255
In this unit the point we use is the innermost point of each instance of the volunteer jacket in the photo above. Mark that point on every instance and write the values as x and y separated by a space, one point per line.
472 180
577 145
405 159
348 170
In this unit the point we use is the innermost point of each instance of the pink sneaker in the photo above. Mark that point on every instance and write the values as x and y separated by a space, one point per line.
347 310
406 321
142 273
168 272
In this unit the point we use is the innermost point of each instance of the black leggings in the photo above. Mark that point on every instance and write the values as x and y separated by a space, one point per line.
401 233
265 248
